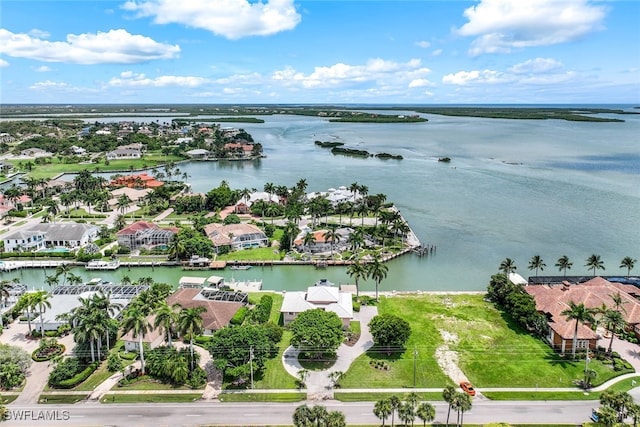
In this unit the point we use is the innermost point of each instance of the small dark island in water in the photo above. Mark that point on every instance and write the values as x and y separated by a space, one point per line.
363 153
444 159
329 144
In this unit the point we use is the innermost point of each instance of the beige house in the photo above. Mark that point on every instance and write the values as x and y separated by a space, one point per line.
154 338
236 236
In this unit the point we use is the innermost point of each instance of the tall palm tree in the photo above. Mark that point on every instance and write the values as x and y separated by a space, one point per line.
614 323
507 266
190 322
407 413
594 263
536 264
564 264
580 314
301 416
63 270
101 302
40 300
357 271
377 271
462 403
332 236
135 320
25 303
395 405
447 394
628 263
166 318
308 240
382 409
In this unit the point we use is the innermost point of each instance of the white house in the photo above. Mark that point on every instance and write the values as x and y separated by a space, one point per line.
124 153
340 195
56 234
24 241
322 295
244 204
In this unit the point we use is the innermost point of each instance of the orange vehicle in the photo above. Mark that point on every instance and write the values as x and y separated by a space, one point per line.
468 388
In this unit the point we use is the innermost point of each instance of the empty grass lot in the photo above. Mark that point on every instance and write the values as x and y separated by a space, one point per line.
493 351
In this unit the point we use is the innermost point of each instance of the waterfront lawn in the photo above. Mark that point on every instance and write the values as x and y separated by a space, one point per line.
256 254
493 351
397 369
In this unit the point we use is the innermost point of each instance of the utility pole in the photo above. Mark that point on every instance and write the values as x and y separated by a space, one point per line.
251 364
415 356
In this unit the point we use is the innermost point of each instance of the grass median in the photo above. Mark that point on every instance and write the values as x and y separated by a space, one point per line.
150 398
263 397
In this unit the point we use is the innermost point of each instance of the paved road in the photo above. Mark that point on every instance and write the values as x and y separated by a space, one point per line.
157 415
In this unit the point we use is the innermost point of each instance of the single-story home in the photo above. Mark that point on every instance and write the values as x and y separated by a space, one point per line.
320 242
236 236
198 153
141 180
218 314
322 295
154 338
552 300
123 153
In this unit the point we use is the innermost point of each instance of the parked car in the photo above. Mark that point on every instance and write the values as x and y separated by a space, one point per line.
468 388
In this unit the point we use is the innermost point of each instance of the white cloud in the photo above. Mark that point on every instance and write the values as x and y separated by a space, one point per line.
112 47
462 78
537 65
436 52
232 19
131 79
42 69
423 44
39 34
339 75
48 84
420 83
503 25
3 63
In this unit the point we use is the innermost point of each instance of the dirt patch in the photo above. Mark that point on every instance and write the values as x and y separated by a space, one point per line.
448 359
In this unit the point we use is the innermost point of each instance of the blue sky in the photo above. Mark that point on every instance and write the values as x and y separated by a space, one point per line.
285 51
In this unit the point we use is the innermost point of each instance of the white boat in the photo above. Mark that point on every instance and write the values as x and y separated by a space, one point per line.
240 267
102 265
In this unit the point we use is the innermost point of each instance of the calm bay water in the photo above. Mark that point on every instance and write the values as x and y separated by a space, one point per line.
514 189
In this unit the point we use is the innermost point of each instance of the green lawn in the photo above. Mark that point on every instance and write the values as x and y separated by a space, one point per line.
372 396
263 397
541 395
256 254
52 169
95 379
274 375
492 350
147 383
150 398
6 399
61 399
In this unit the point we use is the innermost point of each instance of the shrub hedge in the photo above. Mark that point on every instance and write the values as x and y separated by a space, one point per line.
239 317
78 378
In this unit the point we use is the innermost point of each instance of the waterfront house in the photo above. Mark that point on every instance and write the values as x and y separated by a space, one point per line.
141 180
217 313
198 153
335 196
145 234
35 152
153 338
320 243
236 236
239 149
552 300
134 194
69 235
124 153
322 295
243 205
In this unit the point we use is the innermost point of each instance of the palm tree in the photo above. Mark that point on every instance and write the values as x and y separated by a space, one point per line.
356 239
507 266
357 271
318 414
426 412
536 264
377 271
395 405
382 409
135 320
63 270
613 322
302 416
332 236
5 292
40 300
462 403
102 303
628 263
335 419
580 314
123 203
564 264
447 394
407 413
308 240
166 318
24 303
594 263
190 322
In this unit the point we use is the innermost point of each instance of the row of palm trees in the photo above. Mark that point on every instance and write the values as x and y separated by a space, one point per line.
594 263
375 270
407 410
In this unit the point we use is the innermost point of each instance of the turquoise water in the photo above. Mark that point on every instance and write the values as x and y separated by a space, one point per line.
514 189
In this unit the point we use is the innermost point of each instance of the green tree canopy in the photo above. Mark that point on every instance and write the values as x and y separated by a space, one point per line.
389 331
317 333
231 347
